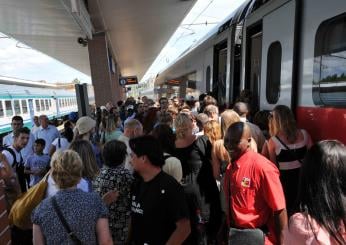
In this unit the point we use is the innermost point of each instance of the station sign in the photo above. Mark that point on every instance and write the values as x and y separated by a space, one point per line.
173 82
130 80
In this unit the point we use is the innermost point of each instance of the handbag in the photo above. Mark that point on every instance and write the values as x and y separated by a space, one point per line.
253 236
63 221
20 214
246 236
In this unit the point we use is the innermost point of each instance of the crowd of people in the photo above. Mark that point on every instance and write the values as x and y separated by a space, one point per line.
177 172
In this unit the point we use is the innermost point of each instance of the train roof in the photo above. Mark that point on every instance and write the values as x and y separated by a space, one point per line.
14 91
235 17
30 83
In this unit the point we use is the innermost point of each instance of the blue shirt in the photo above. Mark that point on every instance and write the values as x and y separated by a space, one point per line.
48 134
35 163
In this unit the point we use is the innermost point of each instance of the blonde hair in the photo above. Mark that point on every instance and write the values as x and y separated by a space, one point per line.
283 121
212 129
228 117
86 153
66 168
182 124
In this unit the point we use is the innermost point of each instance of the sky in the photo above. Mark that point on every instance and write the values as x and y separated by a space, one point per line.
20 61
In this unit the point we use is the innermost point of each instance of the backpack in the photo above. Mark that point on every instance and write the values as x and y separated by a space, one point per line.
19 168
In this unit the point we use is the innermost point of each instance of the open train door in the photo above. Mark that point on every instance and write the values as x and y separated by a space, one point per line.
270 42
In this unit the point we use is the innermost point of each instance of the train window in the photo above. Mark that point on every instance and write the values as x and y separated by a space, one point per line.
8 106
16 107
24 106
1 109
46 104
329 78
273 72
37 104
42 105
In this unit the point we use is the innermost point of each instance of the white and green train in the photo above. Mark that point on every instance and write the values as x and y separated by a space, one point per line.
28 99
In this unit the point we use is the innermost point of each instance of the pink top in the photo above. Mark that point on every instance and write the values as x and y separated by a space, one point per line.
300 232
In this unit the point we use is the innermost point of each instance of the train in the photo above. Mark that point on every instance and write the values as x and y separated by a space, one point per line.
28 99
290 52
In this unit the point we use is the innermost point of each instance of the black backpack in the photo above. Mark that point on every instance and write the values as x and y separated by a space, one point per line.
19 168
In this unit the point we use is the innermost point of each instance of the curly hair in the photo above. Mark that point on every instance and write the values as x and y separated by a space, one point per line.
67 168
182 124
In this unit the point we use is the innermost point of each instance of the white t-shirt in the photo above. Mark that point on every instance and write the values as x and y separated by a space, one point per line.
52 189
64 144
126 140
9 156
27 151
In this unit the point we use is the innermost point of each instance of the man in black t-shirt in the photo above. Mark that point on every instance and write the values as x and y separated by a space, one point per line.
159 209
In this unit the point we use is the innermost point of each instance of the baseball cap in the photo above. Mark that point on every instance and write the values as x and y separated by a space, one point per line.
85 124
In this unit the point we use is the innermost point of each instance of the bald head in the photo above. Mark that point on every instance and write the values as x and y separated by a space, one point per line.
237 139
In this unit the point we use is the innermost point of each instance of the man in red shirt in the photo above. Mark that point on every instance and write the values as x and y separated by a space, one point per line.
252 187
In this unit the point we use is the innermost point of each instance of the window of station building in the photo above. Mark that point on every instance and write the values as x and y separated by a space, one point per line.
273 72
46 104
37 104
8 106
24 106
329 78
50 103
16 107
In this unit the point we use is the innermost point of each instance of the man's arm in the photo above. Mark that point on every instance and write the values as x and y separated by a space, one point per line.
181 232
280 219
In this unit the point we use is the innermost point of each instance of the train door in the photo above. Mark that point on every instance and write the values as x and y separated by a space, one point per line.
254 56
219 74
277 56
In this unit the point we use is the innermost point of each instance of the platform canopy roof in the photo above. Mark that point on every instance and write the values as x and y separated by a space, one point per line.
137 30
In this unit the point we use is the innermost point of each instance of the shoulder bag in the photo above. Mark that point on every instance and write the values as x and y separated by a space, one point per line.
22 208
63 221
